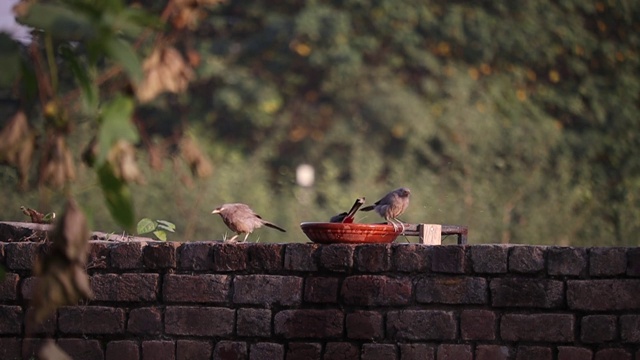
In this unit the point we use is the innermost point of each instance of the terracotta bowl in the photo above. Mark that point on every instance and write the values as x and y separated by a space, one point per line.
331 233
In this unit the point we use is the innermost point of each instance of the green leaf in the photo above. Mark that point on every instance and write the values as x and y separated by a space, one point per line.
118 197
123 53
60 20
146 225
161 235
169 226
116 125
88 87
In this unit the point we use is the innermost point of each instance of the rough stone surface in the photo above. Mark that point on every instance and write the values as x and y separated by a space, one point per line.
415 325
493 352
254 322
160 255
603 295
266 350
373 258
301 257
554 328
598 328
448 259
158 349
127 255
195 256
122 350
454 352
309 324
607 261
230 350
81 349
230 257
200 321
322 290
341 351
267 289
145 321
566 261
336 257
91 320
416 351
193 350
526 259
478 325
531 293
365 325
489 259
203 288
378 352
630 328
265 257
125 287
410 258
574 353
534 353
303 351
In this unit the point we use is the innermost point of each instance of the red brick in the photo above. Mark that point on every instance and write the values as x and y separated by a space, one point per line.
46 326
264 350
323 290
528 293
566 261
526 259
201 288
493 352
145 321
454 352
98 256
421 325
603 295
254 322
21 256
229 257
417 352
537 327
91 320
267 289
630 328
196 256
534 353
9 287
125 287
373 258
633 264
127 255
452 290
365 325
198 321
265 257
11 348
81 349
410 258
448 259
122 350
489 259
309 324
574 353
160 255
303 351
598 328
341 351
11 320
230 350
478 325
612 354
193 350
158 349
379 352
336 257
607 261
301 257
28 286
371 290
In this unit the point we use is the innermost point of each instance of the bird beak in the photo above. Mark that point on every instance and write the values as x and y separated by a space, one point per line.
216 211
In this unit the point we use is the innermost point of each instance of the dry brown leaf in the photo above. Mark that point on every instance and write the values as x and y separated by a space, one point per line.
194 157
122 156
17 144
62 276
165 70
51 351
57 167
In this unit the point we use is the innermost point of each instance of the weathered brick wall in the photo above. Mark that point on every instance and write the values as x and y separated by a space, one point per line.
209 300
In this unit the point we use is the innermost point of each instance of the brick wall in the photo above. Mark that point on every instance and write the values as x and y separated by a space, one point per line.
208 300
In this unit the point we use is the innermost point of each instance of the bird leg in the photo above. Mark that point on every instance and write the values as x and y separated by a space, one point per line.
245 237
233 239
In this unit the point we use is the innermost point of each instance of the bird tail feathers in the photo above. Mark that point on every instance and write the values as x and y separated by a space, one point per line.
274 226
368 208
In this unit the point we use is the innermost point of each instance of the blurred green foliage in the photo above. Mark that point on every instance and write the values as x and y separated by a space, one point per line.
518 119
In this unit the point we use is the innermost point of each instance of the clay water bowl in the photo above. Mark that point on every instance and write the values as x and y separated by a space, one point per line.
345 233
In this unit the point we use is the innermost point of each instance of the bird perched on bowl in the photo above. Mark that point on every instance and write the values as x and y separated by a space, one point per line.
242 220
391 206
347 217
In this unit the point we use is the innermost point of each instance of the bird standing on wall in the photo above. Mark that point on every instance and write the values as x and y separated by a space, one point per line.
242 220
391 206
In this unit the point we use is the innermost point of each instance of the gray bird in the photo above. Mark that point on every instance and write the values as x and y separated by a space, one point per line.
391 206
242 220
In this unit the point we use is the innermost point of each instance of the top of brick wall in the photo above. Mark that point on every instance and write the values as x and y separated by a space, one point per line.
21 242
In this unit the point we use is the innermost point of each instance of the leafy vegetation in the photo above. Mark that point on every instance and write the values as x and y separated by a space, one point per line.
518 119
159 228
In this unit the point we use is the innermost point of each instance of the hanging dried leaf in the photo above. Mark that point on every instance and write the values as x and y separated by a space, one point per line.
189 13
17 144
122 157
51 351
38 217
62 276
194 157
164 71
57 167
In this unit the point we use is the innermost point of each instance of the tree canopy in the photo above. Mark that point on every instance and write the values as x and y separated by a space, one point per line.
518 119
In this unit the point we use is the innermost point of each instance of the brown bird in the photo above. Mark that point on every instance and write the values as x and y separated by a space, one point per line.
391 206
242 220
347 217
